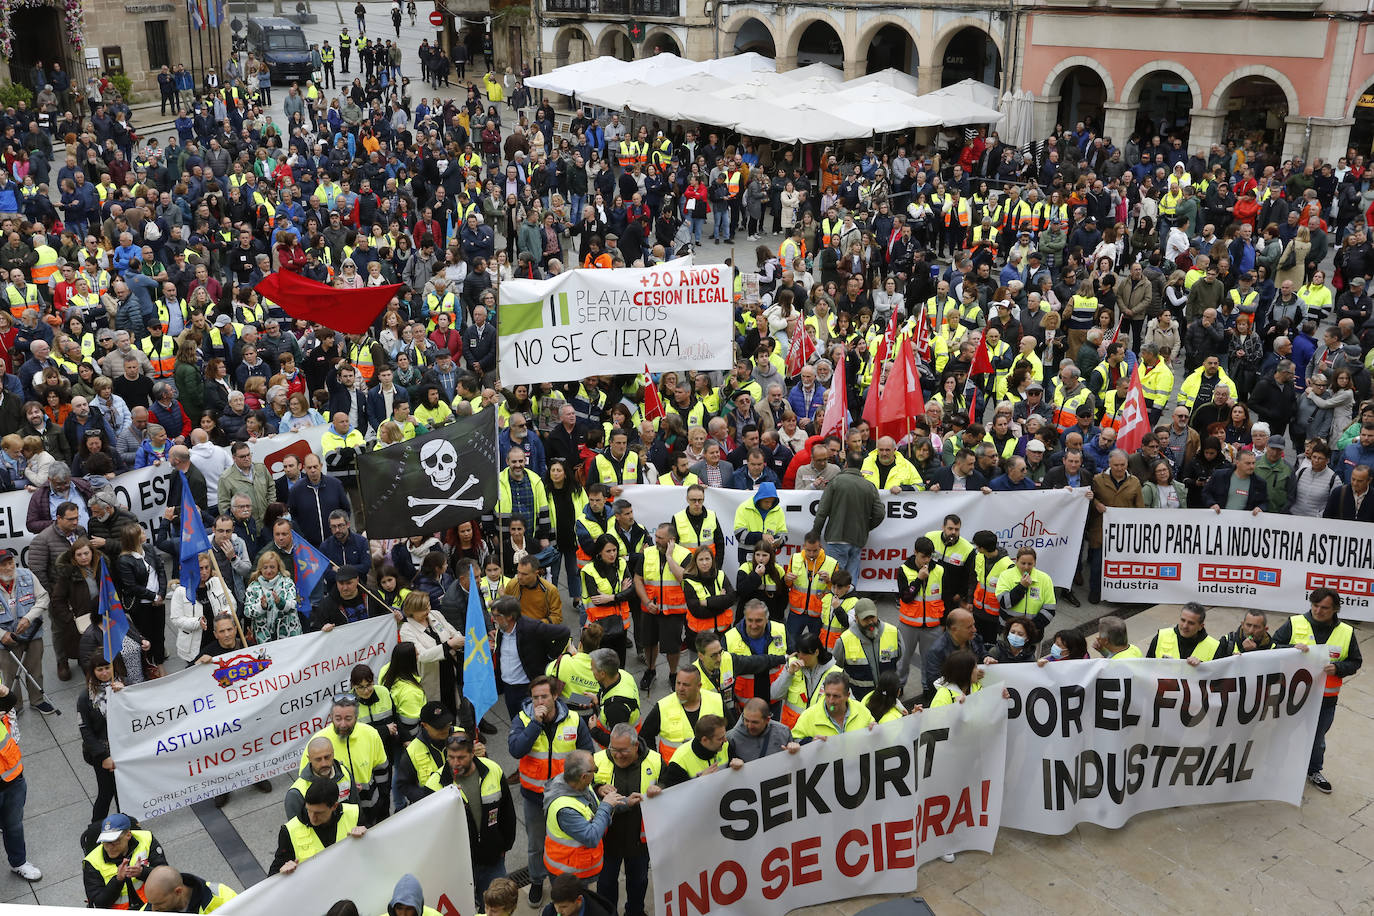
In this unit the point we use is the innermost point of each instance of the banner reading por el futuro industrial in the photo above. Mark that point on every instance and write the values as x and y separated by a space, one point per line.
1101 741
856 814
1266 561
246 716
676 315
1051 521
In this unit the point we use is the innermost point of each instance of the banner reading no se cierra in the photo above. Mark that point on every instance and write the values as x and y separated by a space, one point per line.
1266 561
209 729
675 315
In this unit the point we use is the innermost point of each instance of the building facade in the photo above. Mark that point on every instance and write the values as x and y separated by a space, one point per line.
1297 75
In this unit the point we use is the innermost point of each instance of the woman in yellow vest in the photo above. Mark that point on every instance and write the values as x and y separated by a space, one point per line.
960 677
401 678
709 594
884 701
375 706
302 837
762 577
606 592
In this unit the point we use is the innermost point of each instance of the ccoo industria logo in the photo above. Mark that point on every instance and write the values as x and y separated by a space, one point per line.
519 317
1030 532
241 667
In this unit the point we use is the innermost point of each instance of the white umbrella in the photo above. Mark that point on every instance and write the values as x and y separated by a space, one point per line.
970 90
813 71
740 66
574 78
671 100
889 77
765 118
952 111
875 105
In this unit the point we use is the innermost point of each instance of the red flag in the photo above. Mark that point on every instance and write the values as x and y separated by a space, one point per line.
836 418
923 336
915 397
801 350
982 363
893 417
653 404
971 392
887 341
1134 419
349 311
1116 331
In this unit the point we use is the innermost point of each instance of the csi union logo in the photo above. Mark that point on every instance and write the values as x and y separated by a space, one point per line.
241 667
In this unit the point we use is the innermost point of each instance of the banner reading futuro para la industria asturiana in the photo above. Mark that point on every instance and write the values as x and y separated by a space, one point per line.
676 315
1051 521
855 814
244 717
1101 741
1266 561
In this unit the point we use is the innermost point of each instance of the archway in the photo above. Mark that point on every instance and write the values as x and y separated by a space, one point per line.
893 48
615 43
754 36
1256 110
1082 97
659 43
38 32
820 43
971 54
572 46
1165 99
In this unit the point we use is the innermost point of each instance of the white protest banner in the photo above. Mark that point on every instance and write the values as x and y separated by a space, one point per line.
270 450
1266 561
1102 741
209 729
1051 521
429 840
142 492
856 814
675 315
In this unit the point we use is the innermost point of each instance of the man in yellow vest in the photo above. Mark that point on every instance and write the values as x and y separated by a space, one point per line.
808 582
324 822
1156 381
576 820
322 765
708 752
1188 639
836 714
630 768
424 755
169 891
1113 642
359 747
573 669
1321 626
672 721
658 582
114 872
867 649
617 696
543 738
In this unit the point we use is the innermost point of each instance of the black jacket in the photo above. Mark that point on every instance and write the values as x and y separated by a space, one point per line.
537 644
494 836
1340 504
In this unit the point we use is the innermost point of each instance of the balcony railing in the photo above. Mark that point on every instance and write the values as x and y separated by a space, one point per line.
615 7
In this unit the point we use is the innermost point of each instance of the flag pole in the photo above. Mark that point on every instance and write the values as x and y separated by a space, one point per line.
109 656
238 624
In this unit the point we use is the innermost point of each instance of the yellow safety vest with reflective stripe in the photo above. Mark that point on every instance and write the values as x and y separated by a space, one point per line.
163 357
545 759
141 843
1166 646
777 646
688 537
1157 383
564 855
626 688
1038 594
306 842
607 473
694 766
663 588
1338 646
674 728
575 673
807 591
20 302
46 265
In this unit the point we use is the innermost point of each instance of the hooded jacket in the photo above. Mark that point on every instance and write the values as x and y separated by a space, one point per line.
409 893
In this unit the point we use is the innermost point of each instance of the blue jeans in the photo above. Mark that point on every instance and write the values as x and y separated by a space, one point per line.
12 797
483 875
697 225
1324 719
636 881
575 203
722 223
535 829
847 556
515 696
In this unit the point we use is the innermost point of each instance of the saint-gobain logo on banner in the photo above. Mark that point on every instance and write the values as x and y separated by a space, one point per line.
1030 532
241 667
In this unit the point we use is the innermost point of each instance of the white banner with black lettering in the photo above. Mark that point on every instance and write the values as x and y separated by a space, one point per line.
244 717
1101 741
1266 561
854 815
428 840
675 315
1051 521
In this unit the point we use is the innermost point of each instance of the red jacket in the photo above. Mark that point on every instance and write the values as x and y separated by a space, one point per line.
291 257
697 193
452 342
430 229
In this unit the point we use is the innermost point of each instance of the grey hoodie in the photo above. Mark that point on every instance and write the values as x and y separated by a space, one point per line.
407 893
588 833
747 747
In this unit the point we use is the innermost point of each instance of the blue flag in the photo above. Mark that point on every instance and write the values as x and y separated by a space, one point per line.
112 612
310 569
479 675
194 540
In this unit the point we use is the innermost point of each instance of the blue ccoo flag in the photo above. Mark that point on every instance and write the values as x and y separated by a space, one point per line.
479 675
116 622
310 568
194 541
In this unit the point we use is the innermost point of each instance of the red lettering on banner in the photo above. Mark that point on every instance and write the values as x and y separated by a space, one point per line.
900 836
711 891
805 860
932 816
735 872
851 869
446 907
774 873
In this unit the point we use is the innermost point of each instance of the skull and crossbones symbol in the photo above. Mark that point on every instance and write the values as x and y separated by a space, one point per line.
439 461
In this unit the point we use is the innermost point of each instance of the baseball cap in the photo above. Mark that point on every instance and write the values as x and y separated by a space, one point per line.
1278 442
865 609
1035 386
436 715
346 574
113 827
1085 411
223 320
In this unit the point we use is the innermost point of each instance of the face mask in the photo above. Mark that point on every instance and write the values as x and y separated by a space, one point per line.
1016 640
1056 652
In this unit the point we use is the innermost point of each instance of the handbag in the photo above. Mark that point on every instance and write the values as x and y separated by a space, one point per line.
1290 258
547 557
151 671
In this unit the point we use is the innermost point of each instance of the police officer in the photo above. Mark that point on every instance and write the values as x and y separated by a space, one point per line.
345 47
327 62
